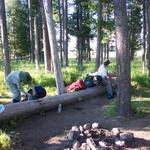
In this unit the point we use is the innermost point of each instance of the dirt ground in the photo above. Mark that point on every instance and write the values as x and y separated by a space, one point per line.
48 131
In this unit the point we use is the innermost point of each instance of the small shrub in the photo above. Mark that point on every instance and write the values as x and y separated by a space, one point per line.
5 141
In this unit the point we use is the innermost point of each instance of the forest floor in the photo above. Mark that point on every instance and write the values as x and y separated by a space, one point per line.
48 131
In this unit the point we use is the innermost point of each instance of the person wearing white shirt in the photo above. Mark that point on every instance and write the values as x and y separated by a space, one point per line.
103 72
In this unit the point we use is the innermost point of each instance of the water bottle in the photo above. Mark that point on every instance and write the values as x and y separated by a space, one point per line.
59 108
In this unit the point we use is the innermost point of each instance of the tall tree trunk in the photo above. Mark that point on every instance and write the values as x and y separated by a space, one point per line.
4 37
46 44
88 39
131 34
88 50
99 49
80 35
37 50
123 58
61 30
40 32
101 54
31 30
107 45
46 47
105 50
65 28
148 35
53 44
144 39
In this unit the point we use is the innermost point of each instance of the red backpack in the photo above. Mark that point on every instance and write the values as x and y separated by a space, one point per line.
75 86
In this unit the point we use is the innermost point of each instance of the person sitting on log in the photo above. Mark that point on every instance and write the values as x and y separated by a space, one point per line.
15 81
109 80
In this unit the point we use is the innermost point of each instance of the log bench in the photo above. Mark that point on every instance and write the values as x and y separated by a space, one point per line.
49 102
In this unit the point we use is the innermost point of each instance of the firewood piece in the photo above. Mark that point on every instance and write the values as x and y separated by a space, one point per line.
85 146
73 135
87 126
127 137
91 143
95 125
76 145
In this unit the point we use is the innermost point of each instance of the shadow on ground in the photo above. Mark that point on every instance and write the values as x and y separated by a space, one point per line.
47 131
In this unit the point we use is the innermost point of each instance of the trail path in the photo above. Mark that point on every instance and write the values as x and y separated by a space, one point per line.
47 131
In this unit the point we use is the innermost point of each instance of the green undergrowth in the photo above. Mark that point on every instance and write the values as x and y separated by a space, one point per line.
5 141
140 108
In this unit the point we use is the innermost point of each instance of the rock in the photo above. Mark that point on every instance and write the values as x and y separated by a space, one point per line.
102 144
109 139
75 128
81 128
86 132
73 135
95 125
120 143
76 145
115 131
85 146
87 126
127 137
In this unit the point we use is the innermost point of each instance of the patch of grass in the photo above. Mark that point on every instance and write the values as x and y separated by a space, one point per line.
110 110
142 80
5 141
140 108
141 85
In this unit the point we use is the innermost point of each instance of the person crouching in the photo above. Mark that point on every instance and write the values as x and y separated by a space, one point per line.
15 81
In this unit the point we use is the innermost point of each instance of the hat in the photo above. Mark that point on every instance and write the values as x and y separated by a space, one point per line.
107 62
25 77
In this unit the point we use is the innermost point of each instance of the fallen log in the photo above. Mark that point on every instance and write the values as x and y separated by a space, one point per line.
49 102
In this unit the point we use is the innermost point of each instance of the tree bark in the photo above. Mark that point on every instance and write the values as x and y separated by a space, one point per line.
46 48
148 35
4 37
107 50
79 36
99 49
123 58
65 28
46 44
88 50
53 45
31 30
37 49
144 38
61 30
